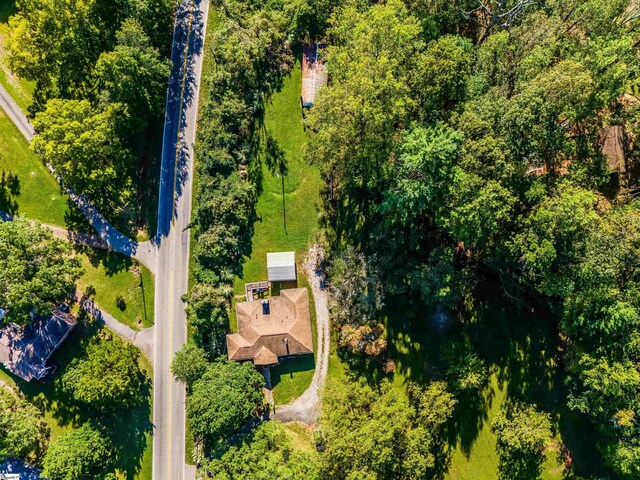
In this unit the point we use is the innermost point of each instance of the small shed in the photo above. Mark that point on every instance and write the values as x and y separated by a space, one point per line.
281 266
314 73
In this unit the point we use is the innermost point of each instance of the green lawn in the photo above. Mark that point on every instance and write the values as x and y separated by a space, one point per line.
21 90
114 275
27 186
130 431
283 224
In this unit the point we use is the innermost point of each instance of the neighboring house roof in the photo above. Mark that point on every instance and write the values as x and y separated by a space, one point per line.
314 74
279 328
281 266
24 351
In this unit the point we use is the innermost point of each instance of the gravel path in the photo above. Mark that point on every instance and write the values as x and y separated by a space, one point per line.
306 408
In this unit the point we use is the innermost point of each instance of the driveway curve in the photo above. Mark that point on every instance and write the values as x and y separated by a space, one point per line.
307 407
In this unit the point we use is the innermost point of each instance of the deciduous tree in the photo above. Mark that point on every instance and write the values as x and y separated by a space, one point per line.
107 376
522 433
25 433
37 272
225 397
81 453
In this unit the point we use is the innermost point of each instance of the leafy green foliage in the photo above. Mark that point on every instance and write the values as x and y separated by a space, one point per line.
265 453
522 434
24 431
189 363
107 377
57 44
225 397
455 143
86 150
100 88
37 272
82 453
451 144
250 54
134 74
376 433
466 371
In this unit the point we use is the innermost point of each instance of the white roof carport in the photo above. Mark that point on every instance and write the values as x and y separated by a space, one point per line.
281 266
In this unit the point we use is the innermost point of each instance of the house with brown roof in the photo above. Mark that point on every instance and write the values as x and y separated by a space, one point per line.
272 329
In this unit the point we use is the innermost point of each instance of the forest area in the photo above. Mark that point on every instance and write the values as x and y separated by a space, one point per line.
478 231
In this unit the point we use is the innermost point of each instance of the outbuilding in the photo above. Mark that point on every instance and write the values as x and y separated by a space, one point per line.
314 73
281 266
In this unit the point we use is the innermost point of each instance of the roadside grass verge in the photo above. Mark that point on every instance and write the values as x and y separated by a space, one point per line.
113 275
130 430
27 187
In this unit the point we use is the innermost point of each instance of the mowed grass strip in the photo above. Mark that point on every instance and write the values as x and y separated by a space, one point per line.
26 186
112 276
284 222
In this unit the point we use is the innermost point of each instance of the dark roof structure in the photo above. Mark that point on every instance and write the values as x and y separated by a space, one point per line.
273 328
24 351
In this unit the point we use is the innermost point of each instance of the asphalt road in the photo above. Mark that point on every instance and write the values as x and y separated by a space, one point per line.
174 213
16 115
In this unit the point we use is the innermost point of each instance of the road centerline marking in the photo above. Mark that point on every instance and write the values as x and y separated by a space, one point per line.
170 402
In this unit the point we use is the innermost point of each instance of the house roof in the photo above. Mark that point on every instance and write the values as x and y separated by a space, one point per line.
284 330
24 351
281 266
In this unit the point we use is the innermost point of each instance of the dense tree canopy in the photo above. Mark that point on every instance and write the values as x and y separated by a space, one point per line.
100 73
77 455
376 433
24 431
86 149
37 272
57 44
470 139
225 397
134 74
457 140
265 453
107 376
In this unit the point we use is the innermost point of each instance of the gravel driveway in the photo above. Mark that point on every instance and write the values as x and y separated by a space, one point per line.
306 408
